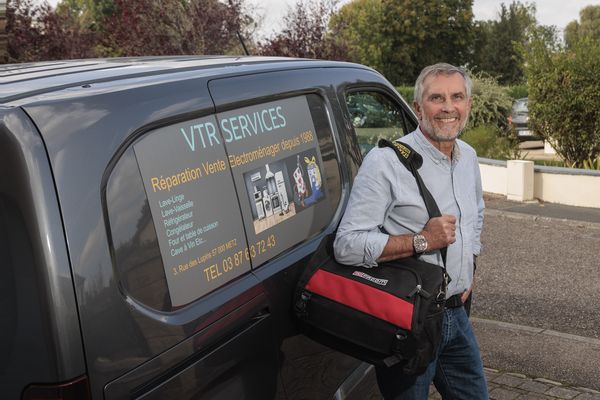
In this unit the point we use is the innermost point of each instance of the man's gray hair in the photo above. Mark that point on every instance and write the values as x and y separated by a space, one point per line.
437 69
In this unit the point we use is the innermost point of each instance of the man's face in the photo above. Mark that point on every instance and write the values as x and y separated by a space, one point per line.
445 107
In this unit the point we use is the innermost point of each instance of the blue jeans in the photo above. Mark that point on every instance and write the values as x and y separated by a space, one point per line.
456 372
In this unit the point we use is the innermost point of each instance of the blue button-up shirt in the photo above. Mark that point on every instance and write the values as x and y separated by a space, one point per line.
385 198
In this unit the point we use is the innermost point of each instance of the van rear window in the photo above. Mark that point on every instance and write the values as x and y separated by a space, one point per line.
199 203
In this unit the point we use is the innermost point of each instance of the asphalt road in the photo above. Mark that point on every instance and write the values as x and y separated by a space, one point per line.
542 274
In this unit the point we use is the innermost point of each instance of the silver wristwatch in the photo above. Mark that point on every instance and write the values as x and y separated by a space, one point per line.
419 243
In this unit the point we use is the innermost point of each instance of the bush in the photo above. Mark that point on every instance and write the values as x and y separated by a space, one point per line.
488 143
407 93
517 91
491 105
564 100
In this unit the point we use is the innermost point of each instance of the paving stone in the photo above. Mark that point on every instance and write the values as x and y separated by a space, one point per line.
491 374
562 392
548 381
587 396
510 380
504 394
514 386
586 390
433 393
535 396
435 396
535 386
516 375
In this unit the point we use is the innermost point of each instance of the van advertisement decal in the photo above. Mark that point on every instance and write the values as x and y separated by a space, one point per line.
194 207
274 155
231 191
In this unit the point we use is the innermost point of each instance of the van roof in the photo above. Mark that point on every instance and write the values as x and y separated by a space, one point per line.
22 81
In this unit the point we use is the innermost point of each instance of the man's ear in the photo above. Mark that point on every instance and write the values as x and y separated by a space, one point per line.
418 110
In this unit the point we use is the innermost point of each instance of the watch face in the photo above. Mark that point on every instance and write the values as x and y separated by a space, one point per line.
420 243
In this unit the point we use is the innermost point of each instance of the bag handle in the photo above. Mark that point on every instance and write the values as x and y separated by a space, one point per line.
413 161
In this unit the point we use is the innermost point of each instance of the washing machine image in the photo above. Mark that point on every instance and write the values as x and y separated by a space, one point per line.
275 203
267 203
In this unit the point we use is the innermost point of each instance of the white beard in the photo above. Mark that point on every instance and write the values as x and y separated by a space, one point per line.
439 134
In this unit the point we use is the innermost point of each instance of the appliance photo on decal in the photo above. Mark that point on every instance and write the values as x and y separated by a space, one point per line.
279 190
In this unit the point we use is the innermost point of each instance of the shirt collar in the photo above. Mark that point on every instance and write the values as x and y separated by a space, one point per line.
429 149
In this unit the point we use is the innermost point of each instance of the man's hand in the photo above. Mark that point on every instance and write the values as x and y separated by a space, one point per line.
440 232
465 295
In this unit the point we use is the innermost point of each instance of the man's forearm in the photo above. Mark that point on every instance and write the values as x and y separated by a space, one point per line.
400 246
439 232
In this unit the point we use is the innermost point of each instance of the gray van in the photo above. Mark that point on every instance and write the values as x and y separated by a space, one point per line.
155 214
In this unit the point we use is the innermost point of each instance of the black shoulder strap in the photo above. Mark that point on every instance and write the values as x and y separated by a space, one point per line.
413 161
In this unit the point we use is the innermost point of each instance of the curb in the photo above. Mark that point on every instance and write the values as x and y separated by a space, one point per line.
537 331
536 217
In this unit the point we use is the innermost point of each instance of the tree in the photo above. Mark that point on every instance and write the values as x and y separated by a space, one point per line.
306 33
3 40
138 27
215 25
564 101
589 26
35 32
91 28
423 32
496 49
81 10
360 29
169 27
400 37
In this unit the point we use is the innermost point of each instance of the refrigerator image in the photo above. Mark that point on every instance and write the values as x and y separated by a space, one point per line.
258 202
283 198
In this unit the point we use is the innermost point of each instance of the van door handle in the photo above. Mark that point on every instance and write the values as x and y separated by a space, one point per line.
262 314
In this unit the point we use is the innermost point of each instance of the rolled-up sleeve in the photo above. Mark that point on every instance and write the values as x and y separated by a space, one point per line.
359 240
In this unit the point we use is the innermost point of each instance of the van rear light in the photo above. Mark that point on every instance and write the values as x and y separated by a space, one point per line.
77 389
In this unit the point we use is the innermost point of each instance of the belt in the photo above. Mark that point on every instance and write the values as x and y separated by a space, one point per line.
454 301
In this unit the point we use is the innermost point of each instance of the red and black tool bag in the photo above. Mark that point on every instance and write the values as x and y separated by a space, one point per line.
387 315
384 315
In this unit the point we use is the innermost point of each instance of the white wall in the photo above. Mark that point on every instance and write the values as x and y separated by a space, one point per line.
555 185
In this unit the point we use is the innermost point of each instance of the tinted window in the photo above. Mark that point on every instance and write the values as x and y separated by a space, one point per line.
135 249
194 205
375 116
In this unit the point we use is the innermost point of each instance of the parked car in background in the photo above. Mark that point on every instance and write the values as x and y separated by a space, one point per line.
519 119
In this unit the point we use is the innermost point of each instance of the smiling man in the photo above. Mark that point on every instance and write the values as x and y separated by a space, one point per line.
386 219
